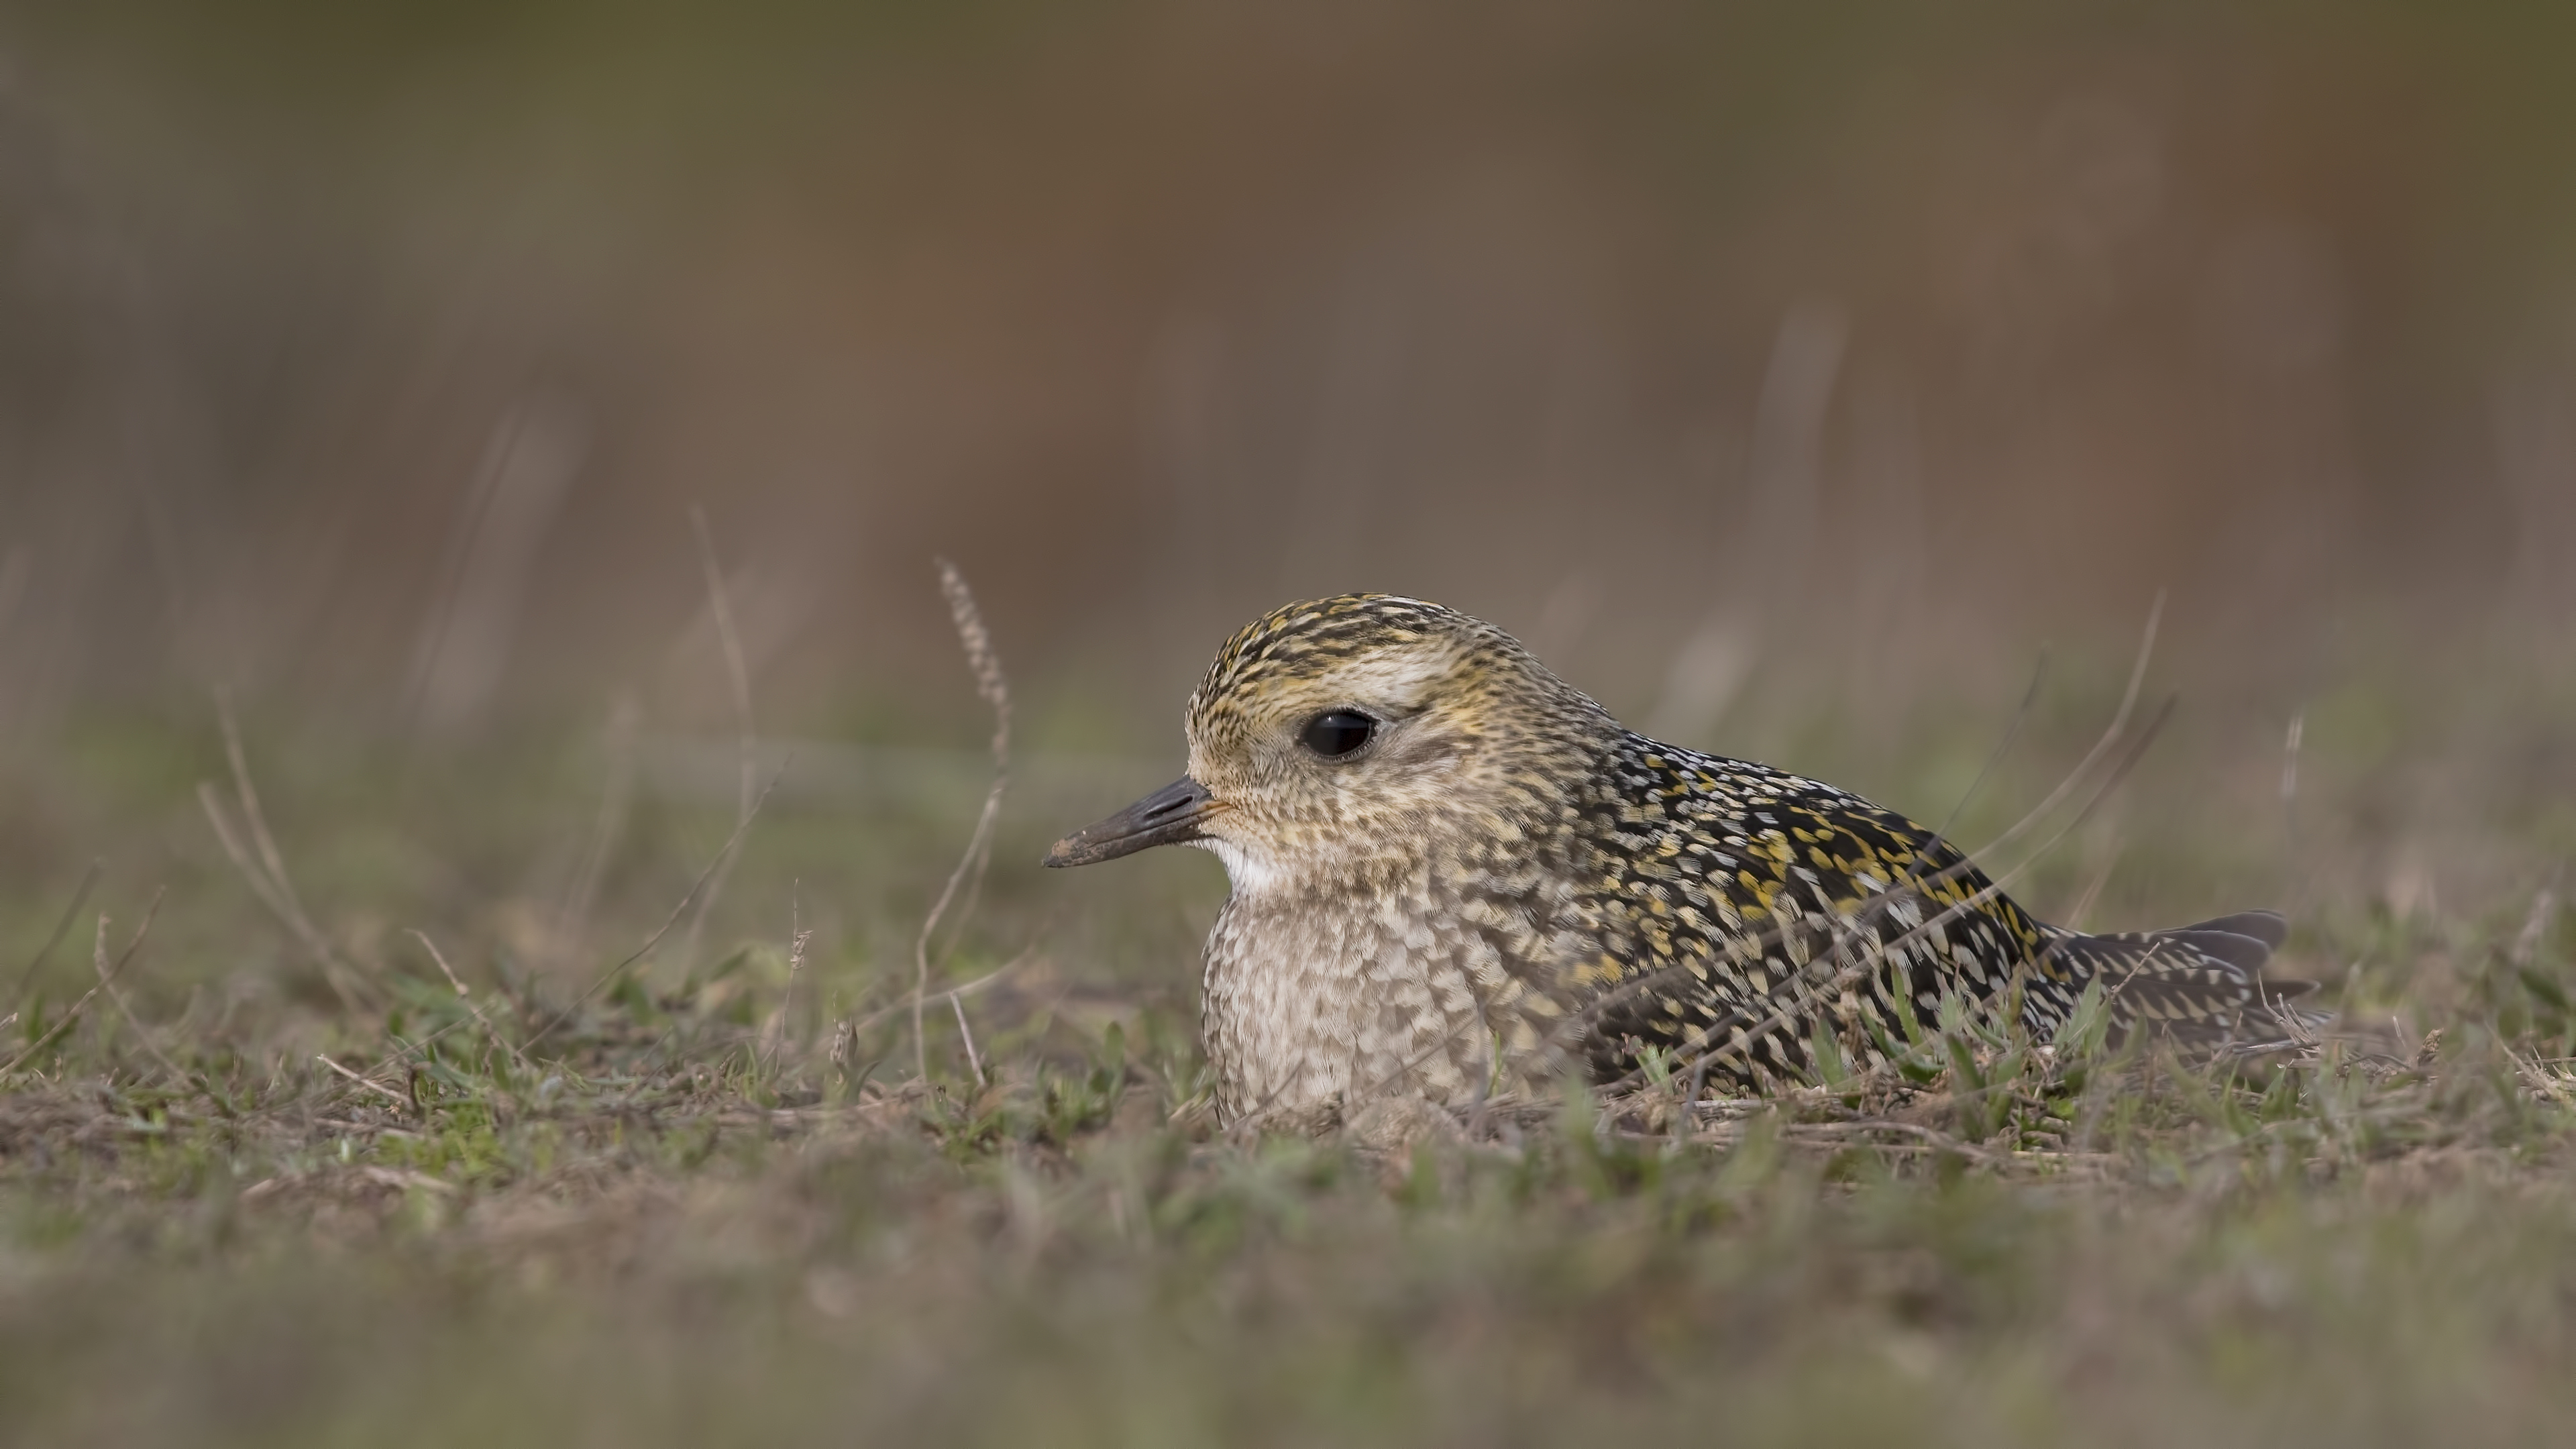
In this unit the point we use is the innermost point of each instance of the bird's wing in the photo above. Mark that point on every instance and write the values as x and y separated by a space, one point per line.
1739 907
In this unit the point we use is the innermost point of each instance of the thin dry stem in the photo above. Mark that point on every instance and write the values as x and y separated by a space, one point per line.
2290 745
2101 747
73 1015
2535 927
107 983
974 1063
2093 888
62 928
397 1098
798 938
2003 748
996 691
732 843
572 923
489 1030
261 864
738 674
862 1023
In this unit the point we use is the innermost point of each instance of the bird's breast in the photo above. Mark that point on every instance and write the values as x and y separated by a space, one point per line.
1408 982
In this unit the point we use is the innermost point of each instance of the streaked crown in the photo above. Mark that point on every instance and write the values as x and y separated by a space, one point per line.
1369 724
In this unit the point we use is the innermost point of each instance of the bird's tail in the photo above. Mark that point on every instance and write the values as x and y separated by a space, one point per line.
2199 984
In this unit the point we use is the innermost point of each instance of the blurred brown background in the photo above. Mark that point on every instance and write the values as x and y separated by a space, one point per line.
368 359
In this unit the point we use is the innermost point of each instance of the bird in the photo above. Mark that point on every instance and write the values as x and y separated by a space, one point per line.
1457 879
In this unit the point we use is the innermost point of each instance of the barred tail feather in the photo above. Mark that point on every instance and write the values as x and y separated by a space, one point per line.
2201 984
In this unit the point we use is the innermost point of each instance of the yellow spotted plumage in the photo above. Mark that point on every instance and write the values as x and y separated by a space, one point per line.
1502 884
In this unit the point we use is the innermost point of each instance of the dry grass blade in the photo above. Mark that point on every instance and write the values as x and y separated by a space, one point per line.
105 979
2101 747
467 997
2002 749
2535 927
974 1061
798 939
2553 1085
609 976
62 928
379 1088
710 881
2291 743
858 1024
2083 906
2110 783
253 851
738 675
1867 1128
572 922
107 983
969 874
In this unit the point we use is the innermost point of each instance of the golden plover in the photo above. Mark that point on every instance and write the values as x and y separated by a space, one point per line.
1456 877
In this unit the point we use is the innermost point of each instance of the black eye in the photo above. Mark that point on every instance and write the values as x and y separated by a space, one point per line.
1338 732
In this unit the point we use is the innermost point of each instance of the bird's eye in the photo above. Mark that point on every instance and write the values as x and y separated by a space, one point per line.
1337 732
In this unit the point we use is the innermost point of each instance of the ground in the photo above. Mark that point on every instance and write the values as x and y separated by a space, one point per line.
285 1179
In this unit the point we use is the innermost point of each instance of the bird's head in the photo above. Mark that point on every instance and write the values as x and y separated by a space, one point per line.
1339 731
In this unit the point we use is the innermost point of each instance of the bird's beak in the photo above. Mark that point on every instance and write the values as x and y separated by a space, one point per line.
1169 816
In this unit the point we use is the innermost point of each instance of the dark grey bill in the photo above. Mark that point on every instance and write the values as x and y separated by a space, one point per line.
1169 816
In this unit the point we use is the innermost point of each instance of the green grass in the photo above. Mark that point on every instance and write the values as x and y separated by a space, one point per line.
696 1211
